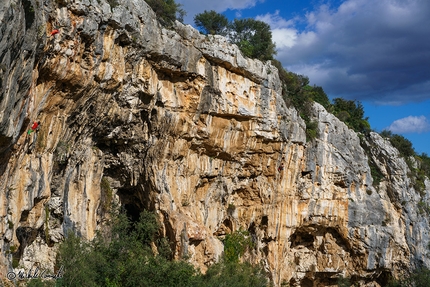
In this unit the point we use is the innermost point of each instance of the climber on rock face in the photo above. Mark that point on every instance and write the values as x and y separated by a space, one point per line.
33 127
281 167
55 31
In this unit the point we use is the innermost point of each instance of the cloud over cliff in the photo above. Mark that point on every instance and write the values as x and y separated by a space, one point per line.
410 124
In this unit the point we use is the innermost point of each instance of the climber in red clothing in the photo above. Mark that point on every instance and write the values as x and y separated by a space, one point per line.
54 32
281 167
33 127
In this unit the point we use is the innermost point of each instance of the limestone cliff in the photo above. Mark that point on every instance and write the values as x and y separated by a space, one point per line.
183 124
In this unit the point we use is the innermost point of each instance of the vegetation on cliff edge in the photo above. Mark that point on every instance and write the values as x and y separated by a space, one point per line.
167 11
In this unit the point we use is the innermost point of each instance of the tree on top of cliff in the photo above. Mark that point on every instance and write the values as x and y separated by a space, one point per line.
352 114
211 22
402 144
167 11
297 92
253 37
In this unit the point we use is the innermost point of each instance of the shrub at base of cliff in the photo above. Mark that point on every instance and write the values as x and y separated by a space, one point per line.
418 278
236 244
230 274
123 256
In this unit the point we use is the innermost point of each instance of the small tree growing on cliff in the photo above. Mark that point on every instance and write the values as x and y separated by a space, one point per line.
253 37
211 22
167 11
352 114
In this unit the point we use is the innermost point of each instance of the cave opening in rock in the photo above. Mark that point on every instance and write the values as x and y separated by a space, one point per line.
130 202
302 238
132 211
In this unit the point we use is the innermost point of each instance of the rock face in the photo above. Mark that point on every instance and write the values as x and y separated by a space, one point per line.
183 124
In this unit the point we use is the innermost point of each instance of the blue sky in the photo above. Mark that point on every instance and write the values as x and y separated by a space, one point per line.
376 52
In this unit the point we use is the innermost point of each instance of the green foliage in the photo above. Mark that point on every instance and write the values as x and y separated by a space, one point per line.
211 22
406 150
352 114
79 262
424 160
106 195
124 257
167 11
418 278
234 274
113 3
15 262
319 96
422 172
343 282
423 208
376 173
38 282
403 145
235 245
296 91
253 37
116 258
386 134
311 130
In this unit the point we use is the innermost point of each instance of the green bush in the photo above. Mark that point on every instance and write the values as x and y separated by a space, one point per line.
234 274
123 257
343 282
114 258
253 37
403 145
376 173
211 22
236 244
406 150
37 282
297 92
352 114
311 130
418 278
106 194
167 11
113 3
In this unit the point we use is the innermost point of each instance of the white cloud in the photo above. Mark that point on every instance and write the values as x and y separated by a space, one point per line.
275 20
363 49
410 124
283 32
193 7
284 38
